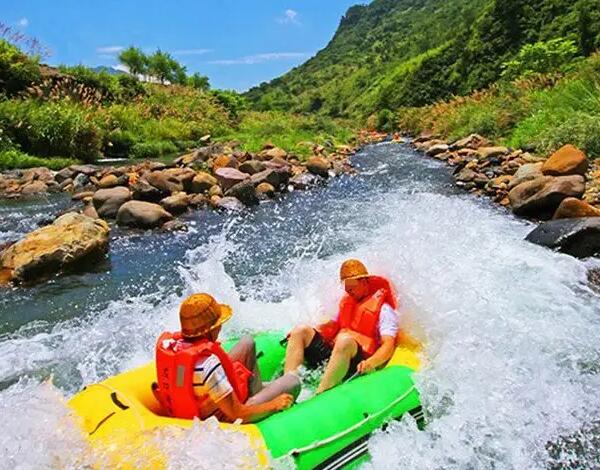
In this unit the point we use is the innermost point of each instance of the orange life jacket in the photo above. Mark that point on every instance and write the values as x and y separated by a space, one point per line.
175 363
361 319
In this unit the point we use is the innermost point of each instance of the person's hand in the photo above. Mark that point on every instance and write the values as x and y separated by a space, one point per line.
282 402
364 367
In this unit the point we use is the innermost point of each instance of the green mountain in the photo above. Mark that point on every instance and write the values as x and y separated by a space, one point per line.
394 53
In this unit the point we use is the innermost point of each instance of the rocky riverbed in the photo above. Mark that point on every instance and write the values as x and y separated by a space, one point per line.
561 191
152 195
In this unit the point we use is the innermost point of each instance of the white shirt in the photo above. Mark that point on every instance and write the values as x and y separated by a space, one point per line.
210 379
389 321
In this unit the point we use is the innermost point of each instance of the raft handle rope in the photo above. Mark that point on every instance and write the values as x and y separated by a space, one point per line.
335 437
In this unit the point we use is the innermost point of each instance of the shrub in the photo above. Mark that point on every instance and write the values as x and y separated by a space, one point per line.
51 129
156 149
17 71
386 120
13 159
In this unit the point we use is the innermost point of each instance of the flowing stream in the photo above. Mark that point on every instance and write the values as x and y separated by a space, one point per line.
512 331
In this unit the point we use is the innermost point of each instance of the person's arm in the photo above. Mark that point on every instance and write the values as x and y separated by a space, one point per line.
234 409
380 357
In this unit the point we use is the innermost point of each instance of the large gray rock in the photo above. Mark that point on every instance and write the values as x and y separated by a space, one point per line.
527 172
541 197
244 192
141 214
108 201
305 181
575 237
70 240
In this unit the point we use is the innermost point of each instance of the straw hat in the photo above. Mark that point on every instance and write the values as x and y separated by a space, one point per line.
353 269
200 314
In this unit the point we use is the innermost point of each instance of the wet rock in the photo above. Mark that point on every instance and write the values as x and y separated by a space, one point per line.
575 237
571 208
110 181
166 183
144 191
34 188
87 170
82 195
108 201
318 166
305 181
568 160
89 210
265 191
81 181
202 182
70 240
243 192
466 175
437 150
66 183
593 276
527 172
141 214
230 204
276 178
174 226
176 204
229 177
252 166
198 201
541 196
224 161
184 175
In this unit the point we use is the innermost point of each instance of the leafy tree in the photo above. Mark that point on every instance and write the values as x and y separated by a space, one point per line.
17 70
135 60
540 57
162 66
198 81
231 100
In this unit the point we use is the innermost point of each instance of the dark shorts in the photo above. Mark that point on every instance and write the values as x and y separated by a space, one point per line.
319 352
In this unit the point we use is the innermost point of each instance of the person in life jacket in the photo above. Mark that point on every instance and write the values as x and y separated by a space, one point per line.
360 338
197 378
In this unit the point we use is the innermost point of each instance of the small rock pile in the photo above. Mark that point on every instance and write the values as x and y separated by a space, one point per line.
564 187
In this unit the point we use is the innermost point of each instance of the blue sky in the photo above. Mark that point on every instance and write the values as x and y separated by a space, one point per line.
238 44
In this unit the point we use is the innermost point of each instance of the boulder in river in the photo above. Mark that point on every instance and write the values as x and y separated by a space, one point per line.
437 149
265 191
229 177
526 172
488 153
277 178
69 241
202 182
318 166
576 237
108 201
230 204
176 204
166 183
141 214
144 191
571 208
244 192
34 188
305 181
541 197
568 160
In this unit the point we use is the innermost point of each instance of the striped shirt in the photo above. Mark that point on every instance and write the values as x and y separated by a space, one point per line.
210 379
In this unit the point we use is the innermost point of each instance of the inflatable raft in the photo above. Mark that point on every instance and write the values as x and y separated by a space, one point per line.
328 431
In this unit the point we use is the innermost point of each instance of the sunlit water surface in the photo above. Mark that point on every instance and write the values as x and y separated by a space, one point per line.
511 330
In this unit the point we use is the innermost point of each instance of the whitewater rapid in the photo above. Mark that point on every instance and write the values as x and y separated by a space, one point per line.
512 356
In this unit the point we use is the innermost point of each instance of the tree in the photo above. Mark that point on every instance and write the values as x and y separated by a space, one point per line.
135 60
199 82
163 67
541 57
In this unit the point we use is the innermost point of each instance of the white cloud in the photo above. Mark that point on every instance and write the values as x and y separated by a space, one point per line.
192 51
262 58
121 67
23 23
289 17
109 50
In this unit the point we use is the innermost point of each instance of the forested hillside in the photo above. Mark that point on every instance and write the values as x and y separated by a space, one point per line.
394 53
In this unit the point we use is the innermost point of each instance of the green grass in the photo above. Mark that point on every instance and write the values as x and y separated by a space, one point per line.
292 132
15 159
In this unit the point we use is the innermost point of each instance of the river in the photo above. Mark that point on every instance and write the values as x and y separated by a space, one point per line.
511 329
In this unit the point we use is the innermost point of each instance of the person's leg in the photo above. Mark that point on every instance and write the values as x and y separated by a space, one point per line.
298 340
288 383
344 350
245 352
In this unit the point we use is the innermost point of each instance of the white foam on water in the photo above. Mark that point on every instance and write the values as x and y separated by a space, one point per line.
510 333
